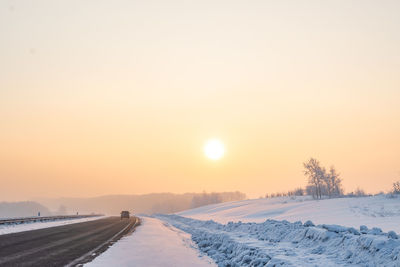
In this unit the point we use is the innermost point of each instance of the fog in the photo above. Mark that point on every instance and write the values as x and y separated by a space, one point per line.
22 209
138 204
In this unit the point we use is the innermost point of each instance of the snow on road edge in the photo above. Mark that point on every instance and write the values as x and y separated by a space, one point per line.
153 243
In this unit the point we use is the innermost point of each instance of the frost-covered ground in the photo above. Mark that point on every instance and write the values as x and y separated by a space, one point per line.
346 231
14 228
153 243
377 211
281 243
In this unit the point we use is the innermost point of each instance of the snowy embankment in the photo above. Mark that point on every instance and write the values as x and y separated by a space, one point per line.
153 243
377 211
28 226
274 243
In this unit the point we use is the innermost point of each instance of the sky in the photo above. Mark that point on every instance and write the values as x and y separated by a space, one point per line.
119 97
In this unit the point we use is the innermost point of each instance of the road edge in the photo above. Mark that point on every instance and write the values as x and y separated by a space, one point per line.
91 255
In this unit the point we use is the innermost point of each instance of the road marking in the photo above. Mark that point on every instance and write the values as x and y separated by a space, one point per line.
93 251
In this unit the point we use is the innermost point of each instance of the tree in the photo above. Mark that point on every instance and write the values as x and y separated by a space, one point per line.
310 190
396 187
333 182
359 192
321 182
316 176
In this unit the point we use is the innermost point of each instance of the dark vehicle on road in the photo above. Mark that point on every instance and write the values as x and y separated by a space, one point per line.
125 214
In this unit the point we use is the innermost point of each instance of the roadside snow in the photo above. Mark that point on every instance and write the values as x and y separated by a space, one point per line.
15 228
153 243
334 232
377 211
276 243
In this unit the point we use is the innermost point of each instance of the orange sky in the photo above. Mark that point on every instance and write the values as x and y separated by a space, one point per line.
119 97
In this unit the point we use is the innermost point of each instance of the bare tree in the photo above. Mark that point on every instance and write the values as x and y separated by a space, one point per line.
316 176
396 187
333 183
298 191
359 192
310 190
321 182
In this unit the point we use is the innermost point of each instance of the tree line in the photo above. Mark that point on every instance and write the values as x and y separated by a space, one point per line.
324 182
321 182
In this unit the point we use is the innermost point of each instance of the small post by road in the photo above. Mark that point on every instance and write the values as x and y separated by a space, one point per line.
38 214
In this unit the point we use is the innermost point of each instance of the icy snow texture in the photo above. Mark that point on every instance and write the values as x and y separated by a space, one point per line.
274 243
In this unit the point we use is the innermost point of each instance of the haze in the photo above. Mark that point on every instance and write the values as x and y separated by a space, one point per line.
119 97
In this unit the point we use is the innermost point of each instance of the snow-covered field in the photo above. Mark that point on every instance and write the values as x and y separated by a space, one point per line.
14 228
153 243
377 211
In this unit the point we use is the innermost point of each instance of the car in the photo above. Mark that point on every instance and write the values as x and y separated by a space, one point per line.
125 214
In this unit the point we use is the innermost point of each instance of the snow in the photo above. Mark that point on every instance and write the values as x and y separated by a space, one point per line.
153 243
376 211
15 228
275 243
267 232
285 231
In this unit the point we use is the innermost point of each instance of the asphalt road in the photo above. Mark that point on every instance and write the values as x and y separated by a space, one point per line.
62 245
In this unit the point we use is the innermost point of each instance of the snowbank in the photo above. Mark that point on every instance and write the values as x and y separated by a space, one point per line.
377 211
15 228
273 243
153 244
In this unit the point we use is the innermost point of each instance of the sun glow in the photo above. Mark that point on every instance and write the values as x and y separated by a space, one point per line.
214 149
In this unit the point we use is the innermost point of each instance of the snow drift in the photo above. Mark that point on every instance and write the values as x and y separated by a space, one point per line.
274 243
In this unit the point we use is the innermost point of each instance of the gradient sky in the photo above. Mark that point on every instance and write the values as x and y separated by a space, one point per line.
118 97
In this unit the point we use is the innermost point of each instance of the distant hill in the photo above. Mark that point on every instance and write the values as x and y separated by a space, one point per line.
148 204
22 209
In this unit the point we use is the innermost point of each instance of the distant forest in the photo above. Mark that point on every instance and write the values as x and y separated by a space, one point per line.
145 204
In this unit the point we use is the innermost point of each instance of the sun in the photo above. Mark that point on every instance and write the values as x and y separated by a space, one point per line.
214 149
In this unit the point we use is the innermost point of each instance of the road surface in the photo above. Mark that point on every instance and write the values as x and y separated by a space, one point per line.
62 245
